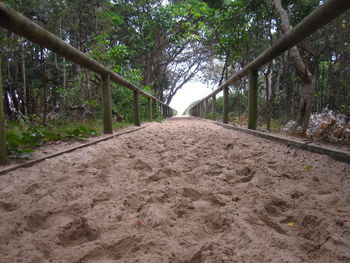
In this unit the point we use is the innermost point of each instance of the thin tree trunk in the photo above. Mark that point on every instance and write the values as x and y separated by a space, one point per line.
44 83
24 80
307 97
224 70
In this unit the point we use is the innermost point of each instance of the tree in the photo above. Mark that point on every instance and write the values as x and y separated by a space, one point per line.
307 98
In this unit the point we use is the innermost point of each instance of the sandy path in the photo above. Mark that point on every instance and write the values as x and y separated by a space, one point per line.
181 191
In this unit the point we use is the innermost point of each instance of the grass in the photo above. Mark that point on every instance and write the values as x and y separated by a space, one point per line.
96 125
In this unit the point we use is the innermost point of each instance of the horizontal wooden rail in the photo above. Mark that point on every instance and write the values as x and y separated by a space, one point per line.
313 22
24 27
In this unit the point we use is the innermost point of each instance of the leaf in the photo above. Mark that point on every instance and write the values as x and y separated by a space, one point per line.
290 224
308 167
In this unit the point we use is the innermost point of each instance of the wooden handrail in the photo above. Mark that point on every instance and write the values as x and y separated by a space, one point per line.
310 24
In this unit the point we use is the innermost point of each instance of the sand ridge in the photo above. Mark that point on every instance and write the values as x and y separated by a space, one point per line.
180 191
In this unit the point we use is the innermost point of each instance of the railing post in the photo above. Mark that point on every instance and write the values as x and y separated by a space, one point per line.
164 111
160 109
225 113
3 148
107 104
206 108
252 99
150 117
170 112
213 107
137 108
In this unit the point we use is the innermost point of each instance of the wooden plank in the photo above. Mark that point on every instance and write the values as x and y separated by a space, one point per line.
200 110
206 106
225 113
167 111
164 111
213 107
3 147
253 99
161 110
107 104
137 109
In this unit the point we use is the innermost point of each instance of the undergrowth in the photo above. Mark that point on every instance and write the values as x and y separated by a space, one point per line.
22 138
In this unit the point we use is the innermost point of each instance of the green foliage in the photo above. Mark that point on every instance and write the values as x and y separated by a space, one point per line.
22 140
81 132
27 140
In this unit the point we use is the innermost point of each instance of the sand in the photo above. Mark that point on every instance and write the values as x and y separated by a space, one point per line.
179 191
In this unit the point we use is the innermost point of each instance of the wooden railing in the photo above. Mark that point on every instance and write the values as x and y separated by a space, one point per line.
19 24
316 20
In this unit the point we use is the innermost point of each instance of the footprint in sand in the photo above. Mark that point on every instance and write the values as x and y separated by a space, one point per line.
276 207
77 232
40 220
246 174
272 215
142 165
7 206
111 253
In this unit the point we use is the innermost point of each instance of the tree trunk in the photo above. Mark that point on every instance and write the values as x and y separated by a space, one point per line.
308 83
24 79
44 85
307 101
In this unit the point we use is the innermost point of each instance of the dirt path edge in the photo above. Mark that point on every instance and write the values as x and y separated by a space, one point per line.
33 162
338 155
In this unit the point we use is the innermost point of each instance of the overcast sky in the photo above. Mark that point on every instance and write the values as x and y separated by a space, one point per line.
190 92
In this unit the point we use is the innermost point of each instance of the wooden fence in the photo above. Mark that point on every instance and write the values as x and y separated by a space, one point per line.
316 20
19 24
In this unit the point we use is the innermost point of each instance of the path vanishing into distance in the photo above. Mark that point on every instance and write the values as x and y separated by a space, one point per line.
184 190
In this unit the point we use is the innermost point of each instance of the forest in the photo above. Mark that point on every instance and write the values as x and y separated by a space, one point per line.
160 46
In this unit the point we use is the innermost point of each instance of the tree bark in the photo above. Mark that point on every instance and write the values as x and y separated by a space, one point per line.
44 85
24 79
308 82
3 147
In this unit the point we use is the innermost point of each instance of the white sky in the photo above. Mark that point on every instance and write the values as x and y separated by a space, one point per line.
190 92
